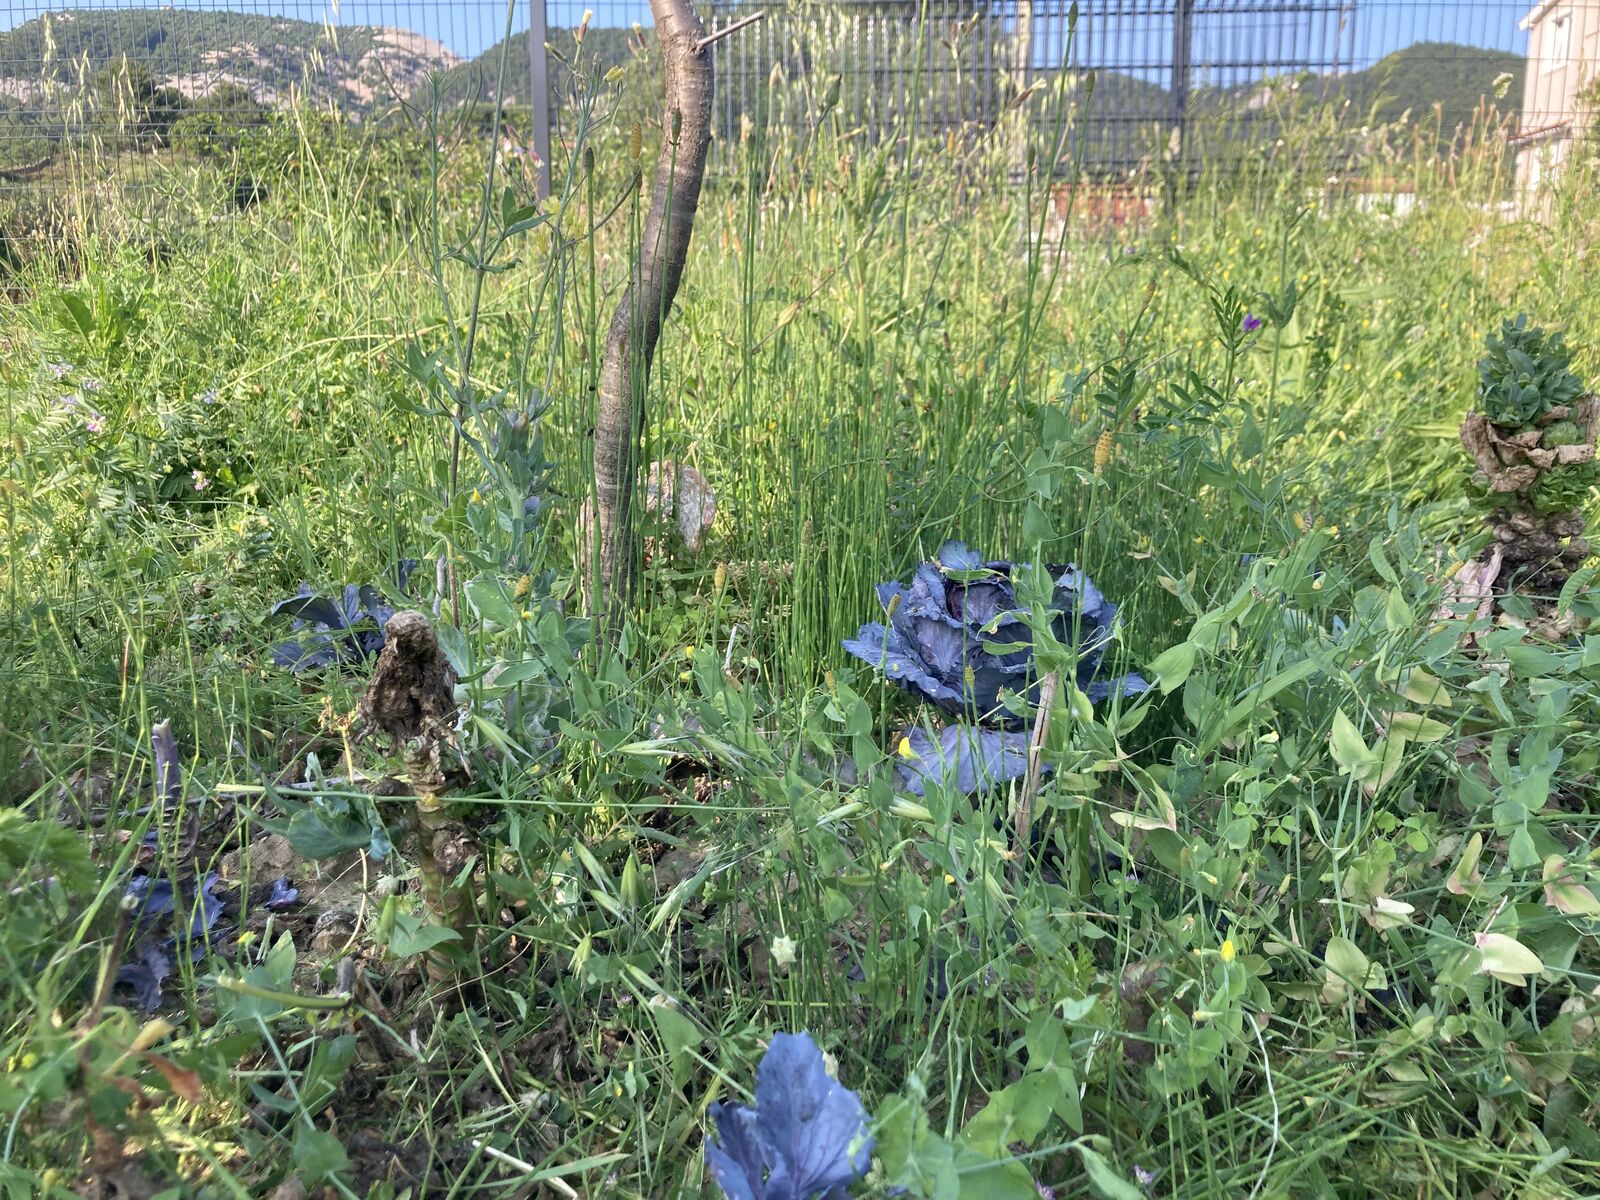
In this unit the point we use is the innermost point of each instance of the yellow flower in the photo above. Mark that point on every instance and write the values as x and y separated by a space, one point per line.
1228 951
904 750
524 586
949 879
1300 522
685 676
688 652
477 496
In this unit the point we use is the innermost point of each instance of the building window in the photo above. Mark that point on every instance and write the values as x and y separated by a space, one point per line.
1558 42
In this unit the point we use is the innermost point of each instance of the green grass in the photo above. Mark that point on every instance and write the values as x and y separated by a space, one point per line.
862 362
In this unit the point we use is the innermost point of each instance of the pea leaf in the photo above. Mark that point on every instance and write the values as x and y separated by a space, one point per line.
1505 958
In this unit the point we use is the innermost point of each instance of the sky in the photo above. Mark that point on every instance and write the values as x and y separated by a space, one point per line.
1236 31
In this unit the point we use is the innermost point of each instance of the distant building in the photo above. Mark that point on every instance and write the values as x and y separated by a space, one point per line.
1563 64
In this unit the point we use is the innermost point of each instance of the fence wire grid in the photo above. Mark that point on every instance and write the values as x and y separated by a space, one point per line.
1196 81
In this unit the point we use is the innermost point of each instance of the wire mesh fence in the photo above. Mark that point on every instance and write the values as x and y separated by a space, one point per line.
104 90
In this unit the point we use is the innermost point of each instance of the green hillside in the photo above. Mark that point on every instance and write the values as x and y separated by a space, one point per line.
1454 77
603 48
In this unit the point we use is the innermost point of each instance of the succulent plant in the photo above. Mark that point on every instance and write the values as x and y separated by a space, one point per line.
1525 375
1532 441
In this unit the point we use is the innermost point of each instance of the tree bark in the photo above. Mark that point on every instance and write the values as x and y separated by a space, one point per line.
636 326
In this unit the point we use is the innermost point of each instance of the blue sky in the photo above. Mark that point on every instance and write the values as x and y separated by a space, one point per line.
1376 27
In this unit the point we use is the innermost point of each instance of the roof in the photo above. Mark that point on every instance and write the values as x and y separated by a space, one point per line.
1543 132
1537 13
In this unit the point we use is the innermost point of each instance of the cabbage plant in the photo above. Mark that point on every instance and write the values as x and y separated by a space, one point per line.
957 635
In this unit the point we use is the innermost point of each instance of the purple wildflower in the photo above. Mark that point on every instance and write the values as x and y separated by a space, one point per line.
1251 322
95 422
201 483
59 370
1145 1178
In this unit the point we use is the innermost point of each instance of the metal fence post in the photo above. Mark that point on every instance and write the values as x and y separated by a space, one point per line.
1182 50
1022 69
539 90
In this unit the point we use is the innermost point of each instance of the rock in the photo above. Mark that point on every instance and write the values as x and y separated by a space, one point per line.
333 931
264 858
682 495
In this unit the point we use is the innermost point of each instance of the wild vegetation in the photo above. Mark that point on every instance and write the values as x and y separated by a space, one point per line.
345 857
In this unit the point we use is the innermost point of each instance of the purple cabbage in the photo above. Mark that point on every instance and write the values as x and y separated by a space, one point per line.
972 759
805 1138
190 918
346 628
283 893
958 637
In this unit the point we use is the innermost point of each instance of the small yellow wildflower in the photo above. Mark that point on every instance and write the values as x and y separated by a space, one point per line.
903 748
688 652
685 676
524 586
1228 951
949 879
477 496
1300 522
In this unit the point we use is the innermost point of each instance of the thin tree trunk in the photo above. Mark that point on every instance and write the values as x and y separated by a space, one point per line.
636 326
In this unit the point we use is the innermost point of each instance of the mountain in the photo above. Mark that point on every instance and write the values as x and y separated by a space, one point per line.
602 49
1447 74
358 66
